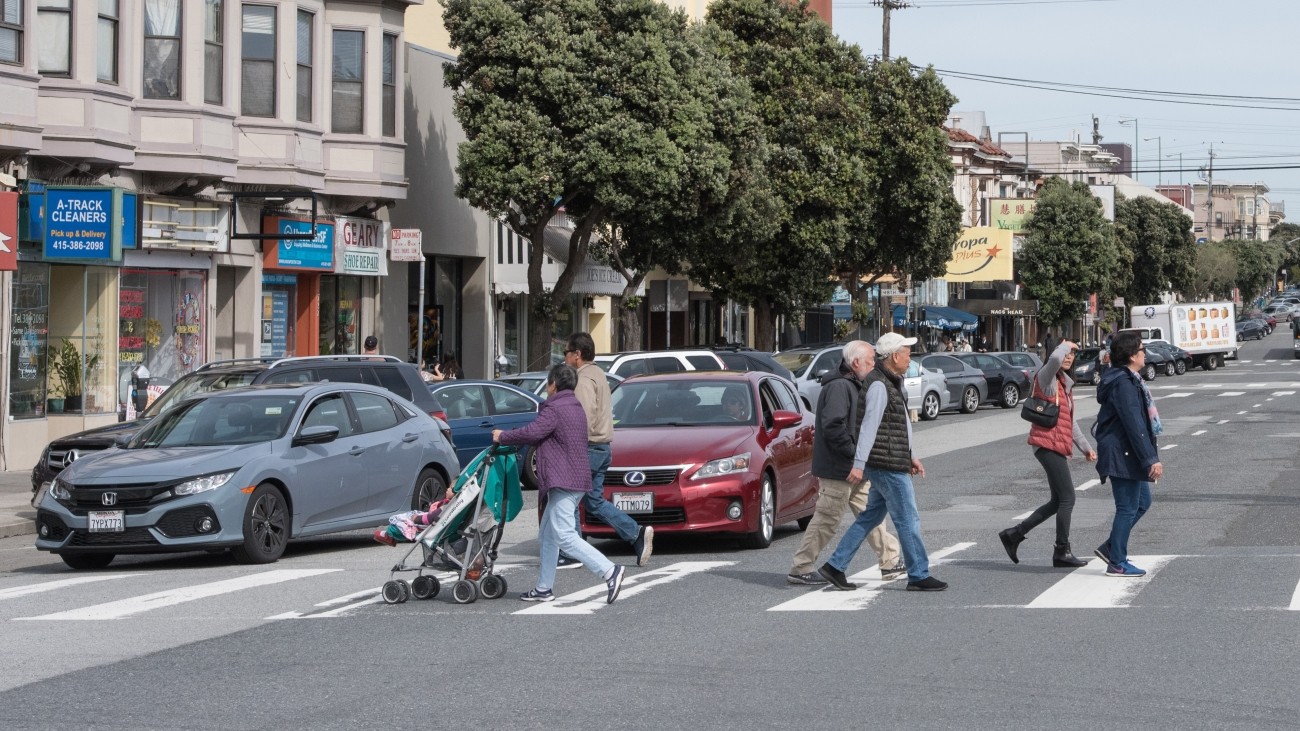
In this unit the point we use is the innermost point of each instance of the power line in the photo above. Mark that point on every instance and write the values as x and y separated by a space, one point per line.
978 3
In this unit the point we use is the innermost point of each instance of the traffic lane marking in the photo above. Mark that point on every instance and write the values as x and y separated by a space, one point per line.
29 589
1090 588
591 599
833 600
148 602
1295 600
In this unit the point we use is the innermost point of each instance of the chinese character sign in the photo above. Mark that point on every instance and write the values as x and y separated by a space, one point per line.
1010 213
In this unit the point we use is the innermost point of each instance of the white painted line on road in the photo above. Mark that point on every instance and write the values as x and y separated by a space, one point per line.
1256 385
1181 394
591 599
1239 413
1022 516
869 584
375 596
1222 421
1295 600
17 591
1198 432
1268 399
1169 446
157 600
1284 393
1090 588
1087 485
1233 393
1282 436
1256 406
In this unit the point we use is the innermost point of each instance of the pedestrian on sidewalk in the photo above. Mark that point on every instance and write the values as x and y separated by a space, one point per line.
1127 452
593 393
563 476
835 439
884 455
1053 446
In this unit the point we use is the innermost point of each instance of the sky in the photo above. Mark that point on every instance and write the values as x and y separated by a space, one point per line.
1230 47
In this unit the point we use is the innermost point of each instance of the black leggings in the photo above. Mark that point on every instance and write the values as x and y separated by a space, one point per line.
1061 503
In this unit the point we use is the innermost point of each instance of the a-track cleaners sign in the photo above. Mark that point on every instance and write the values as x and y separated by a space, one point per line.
83 224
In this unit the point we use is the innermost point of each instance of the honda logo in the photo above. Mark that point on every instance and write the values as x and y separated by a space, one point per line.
108 498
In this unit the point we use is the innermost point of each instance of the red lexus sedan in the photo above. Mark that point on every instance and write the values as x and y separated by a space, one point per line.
710 452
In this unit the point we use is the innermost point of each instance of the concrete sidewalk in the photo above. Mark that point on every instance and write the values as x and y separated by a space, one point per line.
17 515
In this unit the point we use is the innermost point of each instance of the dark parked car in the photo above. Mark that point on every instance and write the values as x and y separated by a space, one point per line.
1265 318
1251 329
967 385
535 382
740 358
474 408
1026 361
1007 383
1173 359
384 371
1087 366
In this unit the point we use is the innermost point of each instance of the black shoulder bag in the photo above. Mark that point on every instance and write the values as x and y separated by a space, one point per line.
1039 411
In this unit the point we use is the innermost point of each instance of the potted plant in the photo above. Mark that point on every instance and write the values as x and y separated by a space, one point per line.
54 396
69 365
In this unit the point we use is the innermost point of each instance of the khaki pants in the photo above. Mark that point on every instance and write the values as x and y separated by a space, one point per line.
833 497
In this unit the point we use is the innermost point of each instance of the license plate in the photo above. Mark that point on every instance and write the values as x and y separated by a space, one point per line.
106 521
635 502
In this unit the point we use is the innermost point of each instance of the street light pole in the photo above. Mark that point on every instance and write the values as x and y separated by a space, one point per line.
1180 167
1160 158
1134 122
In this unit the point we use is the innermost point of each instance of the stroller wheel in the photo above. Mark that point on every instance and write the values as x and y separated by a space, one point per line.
492 587
464 592
406 589
392 592
424 587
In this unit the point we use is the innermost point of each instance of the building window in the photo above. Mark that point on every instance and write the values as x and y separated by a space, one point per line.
54 37
106 50
214 51
258 90
390 85
11 31
306 53
346 105
162 49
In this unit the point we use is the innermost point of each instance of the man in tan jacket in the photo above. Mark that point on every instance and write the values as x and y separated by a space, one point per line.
593 393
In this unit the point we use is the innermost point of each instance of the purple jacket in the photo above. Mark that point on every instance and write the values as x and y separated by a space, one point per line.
560 433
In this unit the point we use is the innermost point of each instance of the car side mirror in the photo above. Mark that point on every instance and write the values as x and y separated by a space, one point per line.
316 435
821 373
785 419
122 440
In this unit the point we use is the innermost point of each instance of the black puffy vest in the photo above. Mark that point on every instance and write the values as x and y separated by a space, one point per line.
892 450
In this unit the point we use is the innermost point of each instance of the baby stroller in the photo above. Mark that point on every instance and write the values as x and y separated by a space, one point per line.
465 536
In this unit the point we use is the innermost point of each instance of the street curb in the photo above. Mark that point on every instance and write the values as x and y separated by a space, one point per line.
23 528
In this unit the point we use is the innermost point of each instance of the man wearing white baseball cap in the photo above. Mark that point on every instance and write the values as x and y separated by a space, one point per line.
885 455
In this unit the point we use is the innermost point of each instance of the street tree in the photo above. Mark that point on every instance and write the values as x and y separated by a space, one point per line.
1071 252
807 87
1159 235
1286 237
906 219
1215 273
1257 263
591 108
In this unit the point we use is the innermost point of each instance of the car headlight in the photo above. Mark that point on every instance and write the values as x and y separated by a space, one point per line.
203 484
1084 368
59 490
724 466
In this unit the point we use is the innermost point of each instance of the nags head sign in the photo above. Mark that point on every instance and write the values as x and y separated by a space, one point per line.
981 254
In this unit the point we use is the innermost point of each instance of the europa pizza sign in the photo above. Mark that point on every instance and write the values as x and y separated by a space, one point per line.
981 254
83 223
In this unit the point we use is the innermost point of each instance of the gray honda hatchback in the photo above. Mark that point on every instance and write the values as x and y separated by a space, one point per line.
248 469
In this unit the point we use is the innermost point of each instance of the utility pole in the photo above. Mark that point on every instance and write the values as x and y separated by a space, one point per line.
888 5
1209 198
1254 211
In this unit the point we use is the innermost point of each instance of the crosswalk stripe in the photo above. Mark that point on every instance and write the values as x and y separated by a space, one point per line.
147 602
366 597
1180 394
1198 432
593 598
17 591
1090 588
1087 485
1284 393
869 584
1295 600
1233 393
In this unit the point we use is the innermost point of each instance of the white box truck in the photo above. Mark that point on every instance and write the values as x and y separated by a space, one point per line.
1207 330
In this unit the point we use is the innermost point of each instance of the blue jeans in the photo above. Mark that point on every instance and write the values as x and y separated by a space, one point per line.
598 456
890 492
558 534
1132 498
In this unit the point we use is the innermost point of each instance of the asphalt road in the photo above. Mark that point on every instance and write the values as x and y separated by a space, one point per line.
710 636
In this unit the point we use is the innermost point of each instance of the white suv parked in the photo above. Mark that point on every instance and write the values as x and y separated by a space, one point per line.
659 361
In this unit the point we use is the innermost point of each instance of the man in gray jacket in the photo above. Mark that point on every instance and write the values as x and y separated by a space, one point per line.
839 419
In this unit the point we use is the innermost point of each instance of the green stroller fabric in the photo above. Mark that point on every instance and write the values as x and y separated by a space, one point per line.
500 481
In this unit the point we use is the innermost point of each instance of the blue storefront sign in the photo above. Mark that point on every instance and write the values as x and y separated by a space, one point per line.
83 224
313 254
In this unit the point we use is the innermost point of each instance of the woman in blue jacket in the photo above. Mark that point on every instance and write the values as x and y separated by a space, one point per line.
1127 454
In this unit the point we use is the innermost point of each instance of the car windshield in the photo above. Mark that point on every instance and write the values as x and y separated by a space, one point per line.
682 403
197 383
796 360
210 422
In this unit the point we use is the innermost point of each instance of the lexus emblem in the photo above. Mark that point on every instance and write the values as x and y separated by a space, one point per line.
108 498
635 478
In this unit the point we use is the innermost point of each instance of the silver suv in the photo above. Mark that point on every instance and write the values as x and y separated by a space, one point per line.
808 364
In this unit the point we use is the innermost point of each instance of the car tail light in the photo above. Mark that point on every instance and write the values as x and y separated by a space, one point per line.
442 416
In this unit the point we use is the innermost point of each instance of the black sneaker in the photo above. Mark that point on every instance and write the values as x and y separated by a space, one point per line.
929 583
812 578
566 562
893 572
533 595
1103 552
836 577
644 545
615 584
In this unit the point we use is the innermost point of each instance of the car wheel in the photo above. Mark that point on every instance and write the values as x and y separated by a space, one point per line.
1180 368
528 471
87 561
762 538
266 527
1010 396
1169 368
930 406
970 400
429 488
1210 363
1149 372
1240 337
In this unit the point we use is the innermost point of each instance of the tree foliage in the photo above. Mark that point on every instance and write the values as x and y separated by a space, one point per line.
1071 252
1215 273
1159 236
1257 264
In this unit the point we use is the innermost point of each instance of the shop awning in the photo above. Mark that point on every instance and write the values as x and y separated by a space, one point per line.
944 318
510 275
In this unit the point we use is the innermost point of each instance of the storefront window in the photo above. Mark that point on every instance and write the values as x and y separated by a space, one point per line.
29 340
565 324
279 295
161 325
511 324
79 348
340 303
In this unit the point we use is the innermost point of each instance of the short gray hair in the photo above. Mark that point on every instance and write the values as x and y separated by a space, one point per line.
855 349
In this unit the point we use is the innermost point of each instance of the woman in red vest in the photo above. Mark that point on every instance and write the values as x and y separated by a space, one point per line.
1053 446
